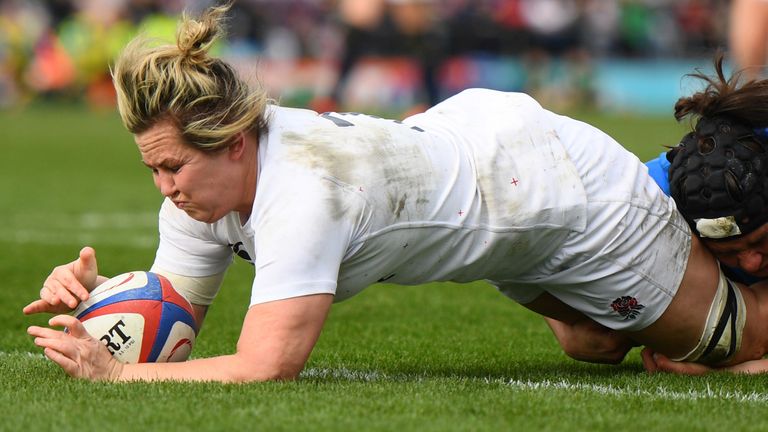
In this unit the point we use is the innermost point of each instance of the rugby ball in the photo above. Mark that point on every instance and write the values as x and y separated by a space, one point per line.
140 318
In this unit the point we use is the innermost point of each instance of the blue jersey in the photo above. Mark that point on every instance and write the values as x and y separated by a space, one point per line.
658 169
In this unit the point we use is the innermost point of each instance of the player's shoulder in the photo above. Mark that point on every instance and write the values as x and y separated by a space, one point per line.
282 118
658 169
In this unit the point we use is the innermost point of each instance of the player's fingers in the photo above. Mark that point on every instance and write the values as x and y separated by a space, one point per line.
69 280
684 368
73 325
60 343
44 332
70 366
86 270
59 292
648 362
39 306
36 306
48 295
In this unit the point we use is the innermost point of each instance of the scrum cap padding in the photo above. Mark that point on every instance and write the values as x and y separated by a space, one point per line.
718 178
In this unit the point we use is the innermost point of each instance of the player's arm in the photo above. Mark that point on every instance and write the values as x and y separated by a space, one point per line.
580 337
68 285
586 340
275 343
704 317
199 291
710 320
655 362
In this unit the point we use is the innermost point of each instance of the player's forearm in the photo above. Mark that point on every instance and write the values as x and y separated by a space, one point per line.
754 341
228 368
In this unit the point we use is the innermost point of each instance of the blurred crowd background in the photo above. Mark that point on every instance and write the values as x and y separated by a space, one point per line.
369 54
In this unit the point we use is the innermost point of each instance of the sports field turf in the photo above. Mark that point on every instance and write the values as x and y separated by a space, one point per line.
437 357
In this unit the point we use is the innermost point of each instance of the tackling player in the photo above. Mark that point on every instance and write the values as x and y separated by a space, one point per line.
718 177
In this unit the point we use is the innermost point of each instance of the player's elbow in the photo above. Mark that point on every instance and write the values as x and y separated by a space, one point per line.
613 354
250 369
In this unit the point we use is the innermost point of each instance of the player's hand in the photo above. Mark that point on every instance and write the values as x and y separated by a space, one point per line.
591 342
67 285
655 362
77 352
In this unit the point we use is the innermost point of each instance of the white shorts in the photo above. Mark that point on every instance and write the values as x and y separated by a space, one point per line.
627 265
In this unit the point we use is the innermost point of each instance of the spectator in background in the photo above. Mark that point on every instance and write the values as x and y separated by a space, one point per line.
40 36
391 28
558 67
92 37
23 24
600 26
698 19
634 28
748 35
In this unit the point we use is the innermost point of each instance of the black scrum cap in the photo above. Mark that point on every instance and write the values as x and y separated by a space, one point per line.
718 178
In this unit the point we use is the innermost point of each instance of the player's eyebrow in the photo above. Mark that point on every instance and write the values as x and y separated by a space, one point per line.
165 163
738 248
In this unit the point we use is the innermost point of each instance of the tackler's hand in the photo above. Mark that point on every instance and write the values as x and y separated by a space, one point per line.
67 285
655 362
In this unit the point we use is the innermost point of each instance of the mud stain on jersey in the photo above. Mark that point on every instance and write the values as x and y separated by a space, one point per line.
396 205
321 153
391 172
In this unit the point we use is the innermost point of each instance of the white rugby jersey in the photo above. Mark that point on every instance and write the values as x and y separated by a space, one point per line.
478 187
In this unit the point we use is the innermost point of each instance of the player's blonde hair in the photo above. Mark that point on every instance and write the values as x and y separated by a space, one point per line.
202 95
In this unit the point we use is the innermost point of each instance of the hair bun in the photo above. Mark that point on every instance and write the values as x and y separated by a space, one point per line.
195 37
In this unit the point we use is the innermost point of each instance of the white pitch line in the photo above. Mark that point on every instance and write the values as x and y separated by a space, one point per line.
128 229
86 220
52 238
23 353
655 393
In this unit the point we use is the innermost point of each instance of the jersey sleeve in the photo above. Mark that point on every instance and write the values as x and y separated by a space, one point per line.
188 247
302 231
658 169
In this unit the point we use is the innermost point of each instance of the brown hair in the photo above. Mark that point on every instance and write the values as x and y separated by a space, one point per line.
746 102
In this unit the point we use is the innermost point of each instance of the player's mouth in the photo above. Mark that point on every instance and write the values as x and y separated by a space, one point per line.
180 204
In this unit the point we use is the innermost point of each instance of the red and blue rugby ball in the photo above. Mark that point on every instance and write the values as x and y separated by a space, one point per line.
140 318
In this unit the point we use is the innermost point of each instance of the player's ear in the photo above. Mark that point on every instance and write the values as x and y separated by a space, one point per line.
237 148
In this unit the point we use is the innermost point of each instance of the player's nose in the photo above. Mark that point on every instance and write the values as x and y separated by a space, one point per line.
166 184
750 260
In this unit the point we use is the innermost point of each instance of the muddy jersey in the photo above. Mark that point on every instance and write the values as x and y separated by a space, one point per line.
481 186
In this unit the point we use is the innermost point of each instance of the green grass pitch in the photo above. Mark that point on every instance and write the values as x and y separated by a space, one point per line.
431 358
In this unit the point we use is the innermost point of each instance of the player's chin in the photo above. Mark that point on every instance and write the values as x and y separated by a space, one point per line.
202 216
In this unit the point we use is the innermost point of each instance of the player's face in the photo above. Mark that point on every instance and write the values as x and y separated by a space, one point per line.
750 253
202 184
